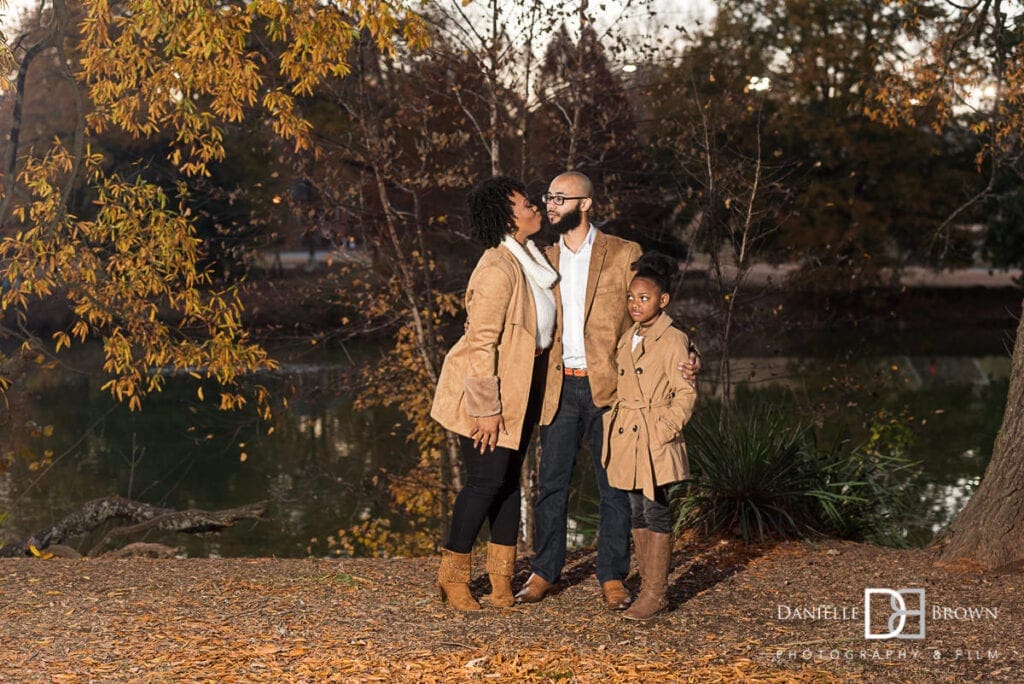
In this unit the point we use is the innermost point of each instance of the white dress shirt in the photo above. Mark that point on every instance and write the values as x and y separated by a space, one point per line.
573 269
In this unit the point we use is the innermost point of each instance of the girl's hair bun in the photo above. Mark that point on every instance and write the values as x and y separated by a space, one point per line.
658 267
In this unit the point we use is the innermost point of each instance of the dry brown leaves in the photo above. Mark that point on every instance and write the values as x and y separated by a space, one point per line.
246 620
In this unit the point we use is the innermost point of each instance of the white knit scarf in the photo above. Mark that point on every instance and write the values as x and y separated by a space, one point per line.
542 277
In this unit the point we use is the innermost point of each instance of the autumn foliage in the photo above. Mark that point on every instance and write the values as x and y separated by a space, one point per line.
129 261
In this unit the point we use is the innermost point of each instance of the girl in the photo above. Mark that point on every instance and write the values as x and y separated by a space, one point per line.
487 393
643 450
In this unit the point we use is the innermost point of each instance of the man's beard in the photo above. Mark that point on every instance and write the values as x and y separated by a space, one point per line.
568 221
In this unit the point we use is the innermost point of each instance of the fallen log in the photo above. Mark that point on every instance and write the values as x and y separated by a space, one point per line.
143 517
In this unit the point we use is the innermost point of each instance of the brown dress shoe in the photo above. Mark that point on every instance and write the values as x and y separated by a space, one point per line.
616 596
535 589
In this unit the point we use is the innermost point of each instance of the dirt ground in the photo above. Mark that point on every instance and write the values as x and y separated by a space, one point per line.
789 612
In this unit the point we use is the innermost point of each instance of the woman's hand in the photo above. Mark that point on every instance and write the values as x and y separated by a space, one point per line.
485 434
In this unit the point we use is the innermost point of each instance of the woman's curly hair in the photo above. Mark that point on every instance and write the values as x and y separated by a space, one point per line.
659 268
490 209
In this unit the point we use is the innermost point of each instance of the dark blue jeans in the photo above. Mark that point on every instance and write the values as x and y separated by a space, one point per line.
560 444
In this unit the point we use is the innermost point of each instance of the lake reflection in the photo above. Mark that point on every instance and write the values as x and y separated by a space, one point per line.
313 463
317 462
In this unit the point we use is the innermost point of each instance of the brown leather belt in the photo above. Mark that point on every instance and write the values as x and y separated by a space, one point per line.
575 372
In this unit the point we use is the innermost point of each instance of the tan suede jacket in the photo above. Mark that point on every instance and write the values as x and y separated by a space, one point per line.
643 442
489 369
605 320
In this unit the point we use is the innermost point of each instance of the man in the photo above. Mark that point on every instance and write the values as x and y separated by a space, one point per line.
590 303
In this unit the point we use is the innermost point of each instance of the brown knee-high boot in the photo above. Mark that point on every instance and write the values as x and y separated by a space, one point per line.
654 573
453 580
640 549
501 563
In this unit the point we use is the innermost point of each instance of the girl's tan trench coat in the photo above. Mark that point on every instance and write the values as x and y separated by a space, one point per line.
643 445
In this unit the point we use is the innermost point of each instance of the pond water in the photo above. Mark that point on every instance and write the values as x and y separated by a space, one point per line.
318 464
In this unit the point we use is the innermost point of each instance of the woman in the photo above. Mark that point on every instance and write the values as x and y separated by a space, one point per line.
486 392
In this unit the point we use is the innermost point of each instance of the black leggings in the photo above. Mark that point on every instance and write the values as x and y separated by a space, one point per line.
653 513
491 492
492 489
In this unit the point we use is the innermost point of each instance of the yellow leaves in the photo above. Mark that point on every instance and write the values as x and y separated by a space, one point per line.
39 554
135 260
62 340
230 401
6 64
186 67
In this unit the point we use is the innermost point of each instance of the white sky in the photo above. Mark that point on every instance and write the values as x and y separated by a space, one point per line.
12 10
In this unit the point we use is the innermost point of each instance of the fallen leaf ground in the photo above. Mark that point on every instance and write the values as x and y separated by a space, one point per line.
246 620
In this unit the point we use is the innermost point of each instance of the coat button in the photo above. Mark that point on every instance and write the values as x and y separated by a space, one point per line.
558 367
634 428
620 431
639 371
622 372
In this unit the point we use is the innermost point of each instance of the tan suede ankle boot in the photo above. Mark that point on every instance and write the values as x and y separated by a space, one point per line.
453 580
501 564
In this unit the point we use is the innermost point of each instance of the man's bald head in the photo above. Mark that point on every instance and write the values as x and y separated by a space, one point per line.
580 184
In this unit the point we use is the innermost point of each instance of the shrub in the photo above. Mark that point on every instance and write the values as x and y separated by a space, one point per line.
760 475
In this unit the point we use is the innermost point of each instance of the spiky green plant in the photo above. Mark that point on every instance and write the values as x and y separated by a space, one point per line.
760 475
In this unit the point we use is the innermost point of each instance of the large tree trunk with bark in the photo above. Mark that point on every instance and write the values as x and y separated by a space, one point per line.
989 532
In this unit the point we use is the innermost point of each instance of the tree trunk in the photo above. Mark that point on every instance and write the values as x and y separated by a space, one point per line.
528 486
989 533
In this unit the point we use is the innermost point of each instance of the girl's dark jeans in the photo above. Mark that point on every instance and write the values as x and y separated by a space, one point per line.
652 514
